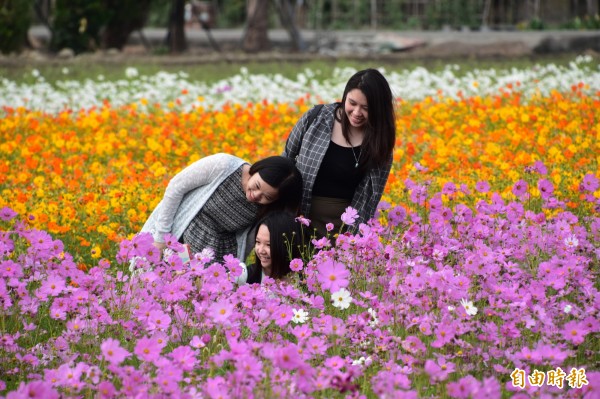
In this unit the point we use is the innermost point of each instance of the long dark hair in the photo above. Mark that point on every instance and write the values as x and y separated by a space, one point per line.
285 237
380 131
282 174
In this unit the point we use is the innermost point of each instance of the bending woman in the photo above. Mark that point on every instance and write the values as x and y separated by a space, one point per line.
278 241
345 155
213 202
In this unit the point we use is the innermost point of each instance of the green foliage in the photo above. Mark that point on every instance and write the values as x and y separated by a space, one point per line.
453 13
15 17
158 15
587 22
231 13
77 24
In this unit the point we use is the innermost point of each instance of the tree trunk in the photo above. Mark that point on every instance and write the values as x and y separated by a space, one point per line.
286 16
592 8
176 36
257 25
127 16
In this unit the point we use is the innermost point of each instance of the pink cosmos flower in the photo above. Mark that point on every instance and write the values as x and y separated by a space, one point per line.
449 188
540 168
590 183
220 311
105 390
546 188
296 265
438 370
520 188
349 216
287 358
396 215
482 186
113 352
184 357
329 226
158 320
53 285
302 220
7 214
282 315
33 390
574 332
332 275
147 349
463 388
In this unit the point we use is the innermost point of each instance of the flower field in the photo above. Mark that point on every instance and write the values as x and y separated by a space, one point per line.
478 278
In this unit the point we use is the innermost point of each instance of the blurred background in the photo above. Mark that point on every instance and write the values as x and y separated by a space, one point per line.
170 26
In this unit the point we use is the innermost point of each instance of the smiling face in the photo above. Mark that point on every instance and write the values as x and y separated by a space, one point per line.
262 247
356 108
260 192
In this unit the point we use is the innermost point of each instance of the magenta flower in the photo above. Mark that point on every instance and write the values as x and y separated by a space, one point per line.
574 332
520 188
438 370
220 311
296 265
482 186
302 220
147 349
546 188
396 215
7 214
34 389
590 183
332 275
540 168
349 216
287 358
113 352
184 357
158 320
106 390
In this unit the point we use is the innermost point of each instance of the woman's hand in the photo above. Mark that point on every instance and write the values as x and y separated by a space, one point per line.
160 245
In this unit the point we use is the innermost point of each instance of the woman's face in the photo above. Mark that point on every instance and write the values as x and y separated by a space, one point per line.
257 190
356 108
262 247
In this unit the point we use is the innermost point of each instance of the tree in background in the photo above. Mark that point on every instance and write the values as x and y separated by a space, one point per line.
257 24
124 18
76 25
176 40
14 23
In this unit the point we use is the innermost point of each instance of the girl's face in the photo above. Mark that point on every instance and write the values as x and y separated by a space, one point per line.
356 108
262 247
257 190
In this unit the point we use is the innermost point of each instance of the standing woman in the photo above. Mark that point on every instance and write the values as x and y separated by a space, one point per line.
213 202
346 153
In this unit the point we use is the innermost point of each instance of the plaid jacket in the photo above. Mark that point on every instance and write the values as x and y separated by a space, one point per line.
310 152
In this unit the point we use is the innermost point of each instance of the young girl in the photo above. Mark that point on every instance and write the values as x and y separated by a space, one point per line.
345 155
278 241
213 202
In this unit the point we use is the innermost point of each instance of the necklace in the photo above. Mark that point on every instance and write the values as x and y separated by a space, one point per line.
354 154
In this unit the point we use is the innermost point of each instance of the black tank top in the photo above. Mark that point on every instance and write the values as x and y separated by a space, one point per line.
338 177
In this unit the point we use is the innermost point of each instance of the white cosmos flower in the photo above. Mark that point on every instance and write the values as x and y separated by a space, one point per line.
300 316
571 241
341 299
568 309
469 307
166 87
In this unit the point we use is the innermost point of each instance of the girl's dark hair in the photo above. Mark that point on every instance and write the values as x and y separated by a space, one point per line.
380 132
282 174
285 237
